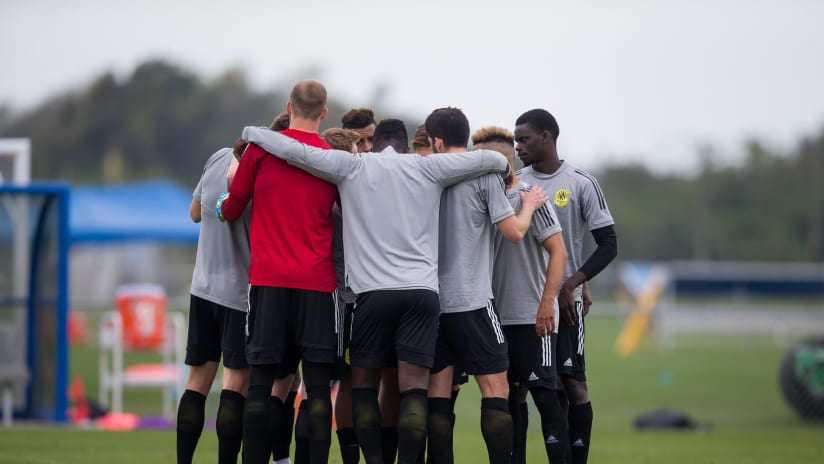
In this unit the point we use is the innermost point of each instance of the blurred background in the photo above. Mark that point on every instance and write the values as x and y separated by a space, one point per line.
702 120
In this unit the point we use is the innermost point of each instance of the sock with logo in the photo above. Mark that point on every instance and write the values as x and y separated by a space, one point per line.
439 430
580 430
553 423
349 451
229 426
366 415
389 442
412 425
496 427
190 417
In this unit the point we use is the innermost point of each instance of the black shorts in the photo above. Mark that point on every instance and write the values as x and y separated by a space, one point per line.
459 376
390 325
531 361
286 325
472 340
570 354
343 364
215 330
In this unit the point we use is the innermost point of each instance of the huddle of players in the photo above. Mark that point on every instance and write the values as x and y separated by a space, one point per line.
423 258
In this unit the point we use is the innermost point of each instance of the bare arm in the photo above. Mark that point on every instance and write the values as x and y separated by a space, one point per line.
329 165
546 319
194 211
515 228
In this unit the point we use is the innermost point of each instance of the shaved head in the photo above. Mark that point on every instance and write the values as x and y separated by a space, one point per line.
308 99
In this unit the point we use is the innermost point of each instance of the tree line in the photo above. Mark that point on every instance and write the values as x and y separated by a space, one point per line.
163 121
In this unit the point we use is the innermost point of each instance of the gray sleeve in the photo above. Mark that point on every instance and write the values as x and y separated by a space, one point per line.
329 165
450 168
544 223
497 204
593 204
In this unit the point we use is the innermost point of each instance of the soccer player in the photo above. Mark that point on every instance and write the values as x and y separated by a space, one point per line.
345 140
217 315
469 333
391 205
525 280
292 302
580 206
362 121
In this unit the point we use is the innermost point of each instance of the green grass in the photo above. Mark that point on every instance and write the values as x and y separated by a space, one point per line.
729 383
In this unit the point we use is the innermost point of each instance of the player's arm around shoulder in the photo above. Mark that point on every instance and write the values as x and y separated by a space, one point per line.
450 168
329 165
514 228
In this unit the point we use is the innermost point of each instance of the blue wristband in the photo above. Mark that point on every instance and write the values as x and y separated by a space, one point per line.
223 196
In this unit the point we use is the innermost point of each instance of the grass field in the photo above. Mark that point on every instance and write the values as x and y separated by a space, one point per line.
729 383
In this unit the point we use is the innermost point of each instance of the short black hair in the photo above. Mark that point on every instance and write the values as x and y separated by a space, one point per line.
540 120
391 132
450 125
357 118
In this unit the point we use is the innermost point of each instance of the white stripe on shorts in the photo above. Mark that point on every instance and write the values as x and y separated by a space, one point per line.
579 308
546 351
496 325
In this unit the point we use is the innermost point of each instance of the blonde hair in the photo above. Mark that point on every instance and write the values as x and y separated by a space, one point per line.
493 134
340 139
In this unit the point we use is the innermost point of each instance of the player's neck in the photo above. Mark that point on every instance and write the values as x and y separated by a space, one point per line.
305 125
548 165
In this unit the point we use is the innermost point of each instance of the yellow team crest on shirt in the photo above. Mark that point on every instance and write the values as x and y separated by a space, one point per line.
561 198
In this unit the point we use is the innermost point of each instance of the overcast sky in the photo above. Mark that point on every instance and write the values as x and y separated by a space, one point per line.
626 79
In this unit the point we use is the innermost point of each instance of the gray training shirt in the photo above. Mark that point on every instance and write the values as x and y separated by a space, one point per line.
468 212
221 272
519 274
579 204
390 202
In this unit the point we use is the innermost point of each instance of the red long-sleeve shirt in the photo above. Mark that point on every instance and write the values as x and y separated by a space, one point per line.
290 234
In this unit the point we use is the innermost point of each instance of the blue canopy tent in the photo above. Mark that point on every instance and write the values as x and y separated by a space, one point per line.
146 211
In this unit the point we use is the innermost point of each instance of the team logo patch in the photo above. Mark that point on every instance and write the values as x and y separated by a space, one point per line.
561 198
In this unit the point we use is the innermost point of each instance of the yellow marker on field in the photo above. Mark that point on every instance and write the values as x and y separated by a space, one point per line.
638 320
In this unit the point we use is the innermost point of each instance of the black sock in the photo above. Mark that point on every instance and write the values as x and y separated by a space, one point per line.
519 411
302 435
282 438
190 413
349 452
366 414
277 424
580 430
256 433
452 401
553 423
496 427
229 426
563 399
389 443
439 433
412 425
316 377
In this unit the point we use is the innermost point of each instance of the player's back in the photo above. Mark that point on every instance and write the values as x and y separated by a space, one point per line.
221 273
292 223
390 222
469 211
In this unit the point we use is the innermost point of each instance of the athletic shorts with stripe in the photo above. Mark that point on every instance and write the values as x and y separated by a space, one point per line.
394 325
214 331
570 354
473 341
342 362
287 324
531 361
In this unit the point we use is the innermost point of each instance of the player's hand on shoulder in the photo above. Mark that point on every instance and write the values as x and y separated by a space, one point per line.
535 198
